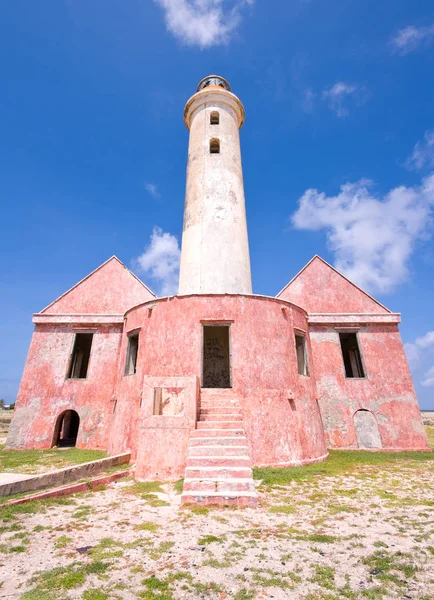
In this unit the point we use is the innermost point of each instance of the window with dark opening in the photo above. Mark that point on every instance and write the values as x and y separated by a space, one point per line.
80 356
215 118
300 348
214 146
351 355
132 350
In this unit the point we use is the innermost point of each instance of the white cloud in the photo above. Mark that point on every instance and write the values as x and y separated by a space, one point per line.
426 340
308 100
152 189
410 38
412 352
371 237
338 95
202 23
423 153
429 378
160 260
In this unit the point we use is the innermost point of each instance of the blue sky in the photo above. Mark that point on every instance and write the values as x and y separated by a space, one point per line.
338 146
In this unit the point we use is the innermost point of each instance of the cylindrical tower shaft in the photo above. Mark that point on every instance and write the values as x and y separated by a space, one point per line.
215 251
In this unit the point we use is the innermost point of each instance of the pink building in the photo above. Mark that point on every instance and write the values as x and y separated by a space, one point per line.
206 384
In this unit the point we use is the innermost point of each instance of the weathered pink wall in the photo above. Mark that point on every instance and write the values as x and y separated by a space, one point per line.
319 288
264 371
45 392
111 289
387 389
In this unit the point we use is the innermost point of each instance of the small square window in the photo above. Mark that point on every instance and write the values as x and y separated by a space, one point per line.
351 355
132 351
300 348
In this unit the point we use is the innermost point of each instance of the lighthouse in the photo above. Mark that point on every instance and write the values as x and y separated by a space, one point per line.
215 250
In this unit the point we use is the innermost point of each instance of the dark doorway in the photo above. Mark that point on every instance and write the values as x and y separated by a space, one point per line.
66 431
216 357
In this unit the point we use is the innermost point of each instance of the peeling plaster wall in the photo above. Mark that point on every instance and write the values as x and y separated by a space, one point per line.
387 390
45 391
264 371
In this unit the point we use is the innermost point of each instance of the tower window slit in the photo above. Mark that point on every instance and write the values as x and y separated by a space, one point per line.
214 146
300 348
215 118
132 350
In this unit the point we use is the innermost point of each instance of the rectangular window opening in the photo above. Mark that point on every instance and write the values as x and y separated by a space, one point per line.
300 348
79 363
216 357
132 350
351 355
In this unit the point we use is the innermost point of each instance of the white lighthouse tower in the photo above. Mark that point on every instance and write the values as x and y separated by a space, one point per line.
215 250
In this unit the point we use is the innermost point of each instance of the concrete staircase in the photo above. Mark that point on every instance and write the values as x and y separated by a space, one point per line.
218 463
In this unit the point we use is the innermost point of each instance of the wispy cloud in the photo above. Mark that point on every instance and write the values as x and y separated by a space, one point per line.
152 189
412 349
160 260
428 381
372 237
423 153
340 93
202 23
410 38
416 354
308 100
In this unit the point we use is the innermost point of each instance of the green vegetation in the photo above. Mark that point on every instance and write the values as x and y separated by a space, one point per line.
144 487
31 461
283 509
341 462
179 486
209 539
147 526
324 576
49 583
62 541
94 594
9 513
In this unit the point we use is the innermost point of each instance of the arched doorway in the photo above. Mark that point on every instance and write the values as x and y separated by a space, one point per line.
66 430
367 433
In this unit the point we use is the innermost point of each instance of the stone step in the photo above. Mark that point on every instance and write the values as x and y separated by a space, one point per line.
236 484
219 424
217 472
221 410
218 450
217 431
211 392
223 417
221 499
225 440
222 460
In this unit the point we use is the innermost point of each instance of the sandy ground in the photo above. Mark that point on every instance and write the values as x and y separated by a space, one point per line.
368 535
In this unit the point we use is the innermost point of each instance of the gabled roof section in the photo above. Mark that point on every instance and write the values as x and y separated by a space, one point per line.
109 290
320 288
